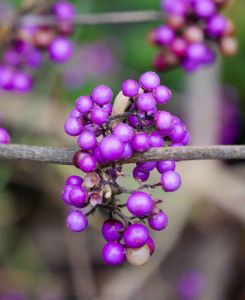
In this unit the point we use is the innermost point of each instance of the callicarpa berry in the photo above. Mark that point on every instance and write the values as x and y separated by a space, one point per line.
112 230
113 253
192 31
76 221
140 204
60 50
105 139
4 136
158 221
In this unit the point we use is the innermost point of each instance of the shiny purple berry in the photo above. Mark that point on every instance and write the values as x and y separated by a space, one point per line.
87 140
165 165
130 88
146 102
112 230
113 253
158 221
98 116
136 235
164 122
216 26
60 50
156 139
162 94
128 151
170 181
140 174
102 95
140 204
140 142
78 196
111 148
64 10
124 132
73 126
87 164
178 133
76 221
84 104
149 81
75 180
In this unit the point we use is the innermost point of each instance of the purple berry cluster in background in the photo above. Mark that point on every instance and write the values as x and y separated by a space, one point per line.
32 43
192 30
105 139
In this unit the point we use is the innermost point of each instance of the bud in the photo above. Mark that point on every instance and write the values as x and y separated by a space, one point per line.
193 34
91 180
95 198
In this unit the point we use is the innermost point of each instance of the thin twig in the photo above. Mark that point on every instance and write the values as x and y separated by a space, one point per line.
102 18
64 156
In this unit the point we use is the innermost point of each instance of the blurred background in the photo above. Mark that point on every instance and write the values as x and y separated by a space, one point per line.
201 254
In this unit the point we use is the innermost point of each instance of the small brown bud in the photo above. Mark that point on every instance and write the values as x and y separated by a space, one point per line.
43 37
95 198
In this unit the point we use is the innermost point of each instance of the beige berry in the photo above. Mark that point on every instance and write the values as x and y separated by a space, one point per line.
193 34
228 46
139 256
176 22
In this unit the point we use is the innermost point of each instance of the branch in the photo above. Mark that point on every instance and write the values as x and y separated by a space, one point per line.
64 156
96 19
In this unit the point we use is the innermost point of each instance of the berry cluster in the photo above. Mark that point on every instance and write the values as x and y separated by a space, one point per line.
193 27
105 139
31 43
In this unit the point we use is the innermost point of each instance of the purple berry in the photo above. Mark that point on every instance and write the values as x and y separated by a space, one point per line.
140 142
102 95
146 102
135 236
98 116
165 165
164 122
140 174
128 151
187 139
113 253
112 230
158 221
87 140
4 136
65 194
162 94
64 10
170 181
75 113
151 245
149 81
78 196
147 166
107 108
111 148
75 180
22 82
204 8
140 204
73 126
156 139
178 133
76 221
124 132
60 50
164 35
130 88
84 104
87 164
133 121
216 26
